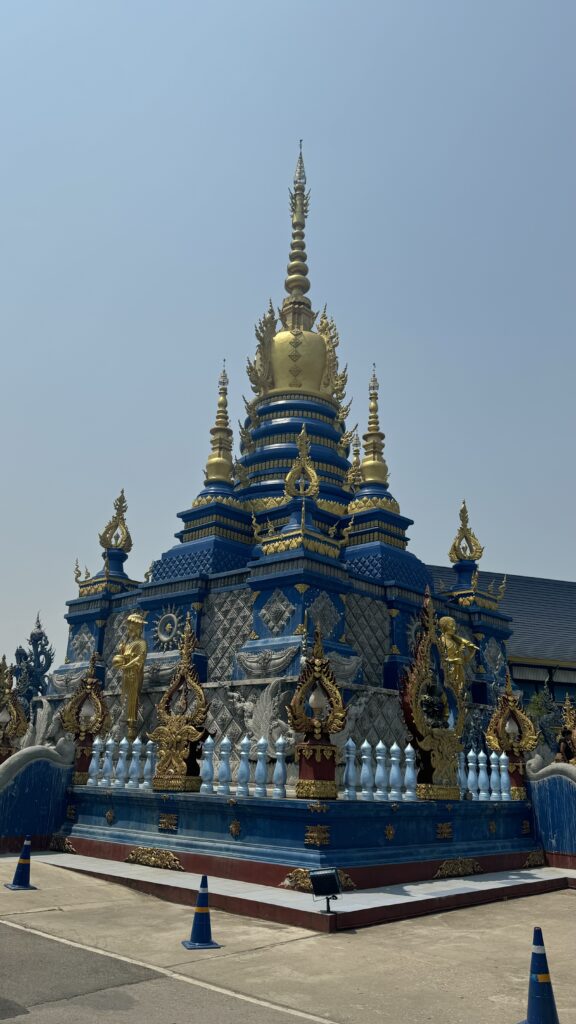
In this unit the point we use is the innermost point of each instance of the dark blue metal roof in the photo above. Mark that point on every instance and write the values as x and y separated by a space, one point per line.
543 613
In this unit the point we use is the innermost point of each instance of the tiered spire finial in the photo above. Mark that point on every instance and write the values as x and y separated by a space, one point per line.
465 547
374 467
297 308
219 466
116 534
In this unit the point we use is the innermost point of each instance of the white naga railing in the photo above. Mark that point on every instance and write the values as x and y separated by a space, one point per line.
370 773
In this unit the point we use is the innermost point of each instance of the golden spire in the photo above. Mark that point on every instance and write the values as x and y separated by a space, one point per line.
116 534
302 480
373 466
465 547
297 309
219 467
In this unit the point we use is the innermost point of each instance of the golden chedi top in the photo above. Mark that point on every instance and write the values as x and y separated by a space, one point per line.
219 467
116 535
465 547
296 358
373 466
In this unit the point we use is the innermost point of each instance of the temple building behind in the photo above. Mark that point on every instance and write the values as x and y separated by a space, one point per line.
302 531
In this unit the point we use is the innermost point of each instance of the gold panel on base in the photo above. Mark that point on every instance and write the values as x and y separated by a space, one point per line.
518 792
80 778
427 791
319 788
182 784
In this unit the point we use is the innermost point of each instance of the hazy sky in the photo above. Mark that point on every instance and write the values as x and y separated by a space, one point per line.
147 150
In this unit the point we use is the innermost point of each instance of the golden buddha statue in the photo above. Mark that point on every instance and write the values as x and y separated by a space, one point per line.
457 652
130 658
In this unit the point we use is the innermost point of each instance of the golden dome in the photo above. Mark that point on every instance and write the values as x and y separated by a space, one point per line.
298 361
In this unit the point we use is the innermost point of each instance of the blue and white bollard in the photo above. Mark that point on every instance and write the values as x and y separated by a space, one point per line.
94 766
148 771
410 773
134 766
121 769
350 772
483 780
381 776
108 766
505 777
243 777
207 766
279 777
472 774
495 792
261 773
366 772
224 773
395 773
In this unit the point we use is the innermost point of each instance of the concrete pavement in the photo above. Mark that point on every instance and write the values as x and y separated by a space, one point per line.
467 965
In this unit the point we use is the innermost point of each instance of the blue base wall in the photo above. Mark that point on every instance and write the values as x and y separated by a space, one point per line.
34 803
554 801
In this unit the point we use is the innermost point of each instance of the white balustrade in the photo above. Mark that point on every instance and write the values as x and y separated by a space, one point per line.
505 777
350 772
381 775
366 772
279 777
121 769
483 780
224 773
207 766
243 776
94 766
108 766
134 766
261 773
410 773
495 789
472 775
395 773
148 770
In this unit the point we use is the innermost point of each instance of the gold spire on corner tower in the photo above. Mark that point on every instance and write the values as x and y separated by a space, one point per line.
465 547
373 466
219 467
354 475
297 308
116 534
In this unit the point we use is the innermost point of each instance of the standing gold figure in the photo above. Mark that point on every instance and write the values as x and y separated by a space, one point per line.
457 651
130 657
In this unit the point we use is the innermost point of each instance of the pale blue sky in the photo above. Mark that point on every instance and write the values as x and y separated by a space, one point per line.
147 152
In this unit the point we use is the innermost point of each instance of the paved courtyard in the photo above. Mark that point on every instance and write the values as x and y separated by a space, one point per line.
469 966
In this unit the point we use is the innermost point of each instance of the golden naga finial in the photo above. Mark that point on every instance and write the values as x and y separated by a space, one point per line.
77 572
297 308
302 480
219 467
465 547
116 534
373 466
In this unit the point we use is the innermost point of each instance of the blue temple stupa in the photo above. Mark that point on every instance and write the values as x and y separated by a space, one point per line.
301 532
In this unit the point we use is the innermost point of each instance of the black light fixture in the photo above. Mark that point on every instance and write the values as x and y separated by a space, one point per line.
326 885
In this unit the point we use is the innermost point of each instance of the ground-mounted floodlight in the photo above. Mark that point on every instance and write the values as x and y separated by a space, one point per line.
326 885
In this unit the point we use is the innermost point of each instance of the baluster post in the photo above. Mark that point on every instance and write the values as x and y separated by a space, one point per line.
505 777
395 773
381 775
243 777
279 777
409 772
261 773
462 778
350 773
94 766
108 766
207 766
483 780
134 767
472 779
224 774
148 771
121 769
495 791
366 772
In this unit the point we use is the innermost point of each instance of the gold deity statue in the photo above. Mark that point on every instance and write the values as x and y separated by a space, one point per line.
130 658
457 651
